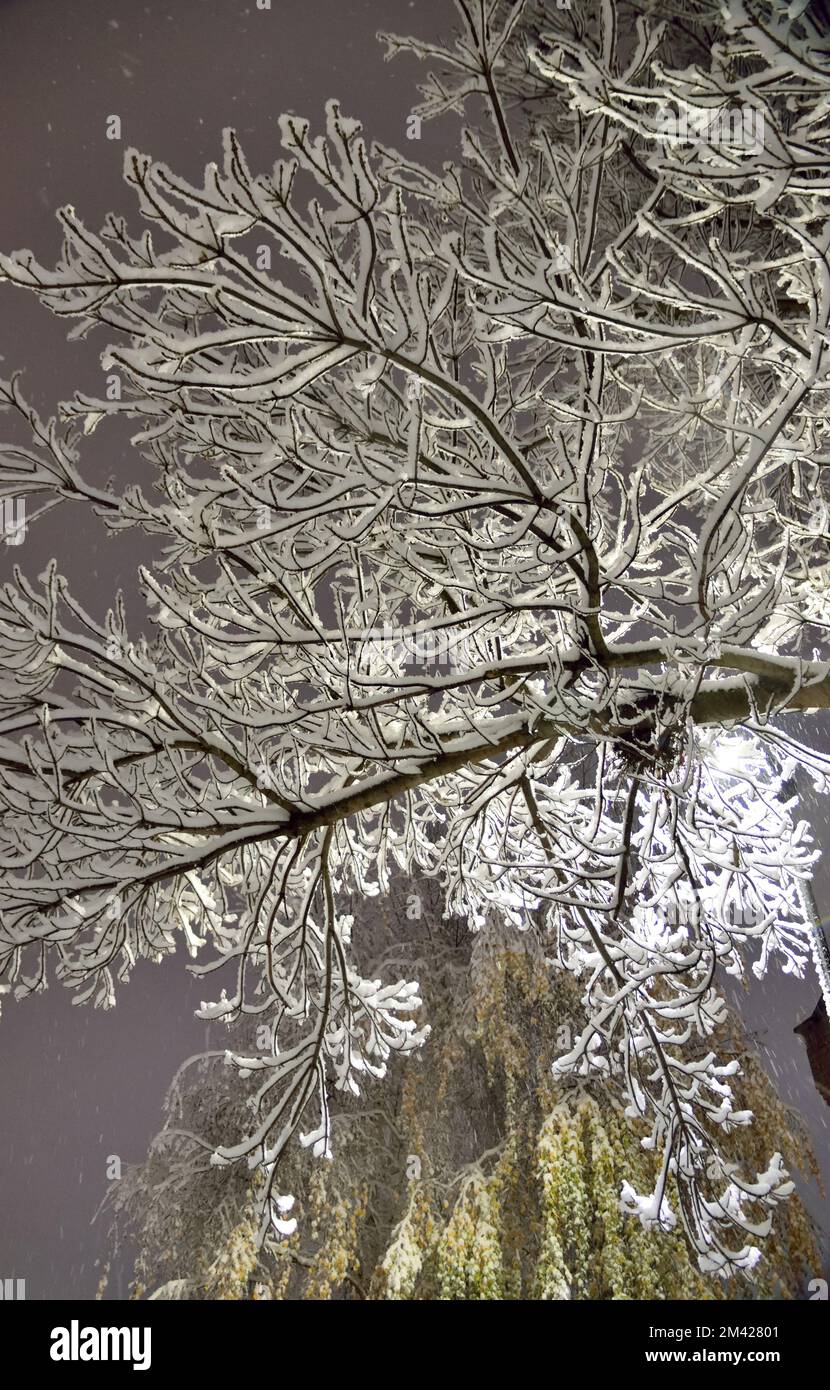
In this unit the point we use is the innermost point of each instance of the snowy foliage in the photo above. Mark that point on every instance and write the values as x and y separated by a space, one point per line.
564 401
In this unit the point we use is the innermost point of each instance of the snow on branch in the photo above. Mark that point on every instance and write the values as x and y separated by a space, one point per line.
494 504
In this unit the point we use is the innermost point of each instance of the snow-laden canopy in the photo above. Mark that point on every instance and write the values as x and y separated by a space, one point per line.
494 513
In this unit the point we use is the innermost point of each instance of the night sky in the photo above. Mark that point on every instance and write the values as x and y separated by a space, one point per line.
78 1085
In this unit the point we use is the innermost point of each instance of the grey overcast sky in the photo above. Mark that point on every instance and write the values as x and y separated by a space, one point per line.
77 1086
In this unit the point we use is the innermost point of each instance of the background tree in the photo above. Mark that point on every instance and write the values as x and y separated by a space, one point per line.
556 413
475 1174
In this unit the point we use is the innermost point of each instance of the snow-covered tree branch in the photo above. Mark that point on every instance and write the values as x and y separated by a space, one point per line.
492 519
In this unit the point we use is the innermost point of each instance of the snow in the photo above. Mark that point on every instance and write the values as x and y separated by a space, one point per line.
476 558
